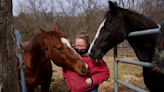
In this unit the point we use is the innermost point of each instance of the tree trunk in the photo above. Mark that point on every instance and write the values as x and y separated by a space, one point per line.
8 71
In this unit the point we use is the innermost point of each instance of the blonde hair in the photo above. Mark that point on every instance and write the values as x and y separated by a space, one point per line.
85 36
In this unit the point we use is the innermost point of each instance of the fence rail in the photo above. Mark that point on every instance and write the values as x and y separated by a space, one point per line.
140 63
144 32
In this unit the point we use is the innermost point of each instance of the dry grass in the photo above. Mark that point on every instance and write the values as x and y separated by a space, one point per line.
127 73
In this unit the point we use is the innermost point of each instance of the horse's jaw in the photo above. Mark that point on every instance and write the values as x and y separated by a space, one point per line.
81 68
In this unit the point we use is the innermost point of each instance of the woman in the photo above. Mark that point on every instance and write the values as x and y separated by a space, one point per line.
98 71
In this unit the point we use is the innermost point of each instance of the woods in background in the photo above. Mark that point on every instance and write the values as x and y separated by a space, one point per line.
73 16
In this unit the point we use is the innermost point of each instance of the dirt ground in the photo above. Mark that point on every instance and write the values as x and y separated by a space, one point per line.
128 73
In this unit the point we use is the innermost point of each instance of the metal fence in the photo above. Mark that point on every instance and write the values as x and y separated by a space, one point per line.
145 64
20 57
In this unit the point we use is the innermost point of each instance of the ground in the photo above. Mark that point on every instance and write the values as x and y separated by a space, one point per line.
128 73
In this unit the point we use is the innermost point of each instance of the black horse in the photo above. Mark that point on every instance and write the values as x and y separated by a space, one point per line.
118 23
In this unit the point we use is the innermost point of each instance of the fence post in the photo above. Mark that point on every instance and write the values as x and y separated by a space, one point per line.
20 56
115 69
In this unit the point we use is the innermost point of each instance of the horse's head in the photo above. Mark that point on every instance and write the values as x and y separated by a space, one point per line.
59 50
116 26
110 32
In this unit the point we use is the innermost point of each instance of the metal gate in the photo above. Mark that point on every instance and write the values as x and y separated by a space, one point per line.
145 64
20 57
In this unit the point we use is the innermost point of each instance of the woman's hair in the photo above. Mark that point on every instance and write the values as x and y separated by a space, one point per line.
85 36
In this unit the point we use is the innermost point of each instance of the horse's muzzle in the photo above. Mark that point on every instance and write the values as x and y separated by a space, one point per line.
84 71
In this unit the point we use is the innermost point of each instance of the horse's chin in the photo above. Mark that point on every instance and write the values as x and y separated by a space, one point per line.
96 59
83 71
90 56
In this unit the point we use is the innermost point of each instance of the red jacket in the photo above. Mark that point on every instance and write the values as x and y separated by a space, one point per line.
98 72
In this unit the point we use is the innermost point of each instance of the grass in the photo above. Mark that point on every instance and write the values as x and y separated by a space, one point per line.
126 72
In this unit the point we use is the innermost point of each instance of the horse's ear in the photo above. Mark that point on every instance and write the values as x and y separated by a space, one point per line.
41 30
56 28
113 7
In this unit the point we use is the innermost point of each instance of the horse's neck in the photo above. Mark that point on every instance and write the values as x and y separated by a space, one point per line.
143 46
27 59
139 22
33 59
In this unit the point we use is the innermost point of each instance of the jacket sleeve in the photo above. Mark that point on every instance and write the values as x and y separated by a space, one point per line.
101 74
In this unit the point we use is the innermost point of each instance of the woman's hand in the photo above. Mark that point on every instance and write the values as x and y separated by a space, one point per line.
89 81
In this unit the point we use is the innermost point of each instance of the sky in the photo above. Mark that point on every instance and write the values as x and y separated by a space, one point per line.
17 3
16 6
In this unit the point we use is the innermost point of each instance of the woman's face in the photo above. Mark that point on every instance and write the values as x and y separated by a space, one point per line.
80 45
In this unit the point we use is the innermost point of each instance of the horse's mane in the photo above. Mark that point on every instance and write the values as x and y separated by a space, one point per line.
36 42
140 17
132 15
35 50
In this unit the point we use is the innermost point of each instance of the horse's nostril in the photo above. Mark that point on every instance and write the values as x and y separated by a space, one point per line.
84 71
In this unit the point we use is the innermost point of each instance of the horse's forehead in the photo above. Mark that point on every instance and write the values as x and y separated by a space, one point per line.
52 35
97 35
58 39
65 42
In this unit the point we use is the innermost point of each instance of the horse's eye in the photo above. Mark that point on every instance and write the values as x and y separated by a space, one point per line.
61 49
46 49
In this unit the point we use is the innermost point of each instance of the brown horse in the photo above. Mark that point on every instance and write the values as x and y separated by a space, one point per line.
44 47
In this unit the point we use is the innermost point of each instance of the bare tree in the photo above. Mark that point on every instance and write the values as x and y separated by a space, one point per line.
130 4
8 71
154 9
34 14
41 11
72 16
93 12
